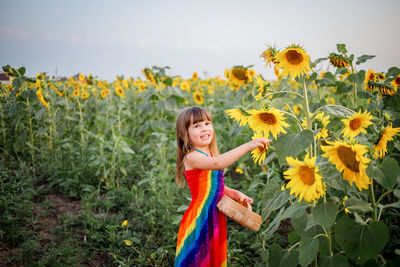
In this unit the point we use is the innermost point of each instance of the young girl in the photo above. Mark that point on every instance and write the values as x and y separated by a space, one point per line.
202 232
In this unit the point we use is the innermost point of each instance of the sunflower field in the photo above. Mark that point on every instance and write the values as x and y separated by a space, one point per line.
87 165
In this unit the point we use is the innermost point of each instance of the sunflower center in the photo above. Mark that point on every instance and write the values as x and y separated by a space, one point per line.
397 81
371 77
239 73
355 124
307 175
348 158
268 118
294 57
198 97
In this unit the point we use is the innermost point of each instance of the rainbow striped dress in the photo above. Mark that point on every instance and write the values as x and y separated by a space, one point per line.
202 232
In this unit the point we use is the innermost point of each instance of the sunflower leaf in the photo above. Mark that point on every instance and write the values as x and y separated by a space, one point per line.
285 258
361 241
308 249
325 214
363 59
291 145
341 48
337 260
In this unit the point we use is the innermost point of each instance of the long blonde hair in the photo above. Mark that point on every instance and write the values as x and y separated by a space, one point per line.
187 117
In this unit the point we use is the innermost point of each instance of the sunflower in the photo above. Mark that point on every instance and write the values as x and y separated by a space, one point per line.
185 86
238 115
380 76
84 95
305 181
386 135
267 120
297 108
350 160
226 73
356 124
396 82
194 76
41 98
120 91
251 73
198 98
269 56
321 121
75 93
81 77
294 61
339 61
257 154
104 93
277 71
370 76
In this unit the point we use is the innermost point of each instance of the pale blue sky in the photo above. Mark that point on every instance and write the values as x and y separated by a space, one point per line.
108 38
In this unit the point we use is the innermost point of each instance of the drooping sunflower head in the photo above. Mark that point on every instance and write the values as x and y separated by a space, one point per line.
356 124
257 154
305 180
382 88
239 115
370 76
380 147
198 98
350 160
294 61
266 121
239 74
269 55
339 61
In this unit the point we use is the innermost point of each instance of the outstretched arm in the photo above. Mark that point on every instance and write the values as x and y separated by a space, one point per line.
200 161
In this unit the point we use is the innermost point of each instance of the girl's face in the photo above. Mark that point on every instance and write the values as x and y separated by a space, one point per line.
201 133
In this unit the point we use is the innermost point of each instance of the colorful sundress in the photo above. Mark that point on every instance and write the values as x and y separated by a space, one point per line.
202 232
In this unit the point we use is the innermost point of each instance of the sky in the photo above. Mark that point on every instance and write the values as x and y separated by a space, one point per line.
109 38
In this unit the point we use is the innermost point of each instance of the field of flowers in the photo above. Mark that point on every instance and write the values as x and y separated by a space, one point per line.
327 188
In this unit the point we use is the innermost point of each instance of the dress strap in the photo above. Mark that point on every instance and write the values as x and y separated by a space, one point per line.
201 152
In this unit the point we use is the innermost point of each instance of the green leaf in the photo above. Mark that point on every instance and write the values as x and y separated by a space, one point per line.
308 250
293 237
341 48
279 199
337 260
393 72
293 144
325 214
274 225
285 258
355 204
390 168
363 59
21 71
337 110
361 241
357 77
296 209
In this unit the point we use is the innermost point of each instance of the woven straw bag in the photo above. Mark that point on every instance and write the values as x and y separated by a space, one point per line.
239 213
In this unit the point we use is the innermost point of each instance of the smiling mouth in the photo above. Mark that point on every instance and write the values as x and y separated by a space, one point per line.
204 137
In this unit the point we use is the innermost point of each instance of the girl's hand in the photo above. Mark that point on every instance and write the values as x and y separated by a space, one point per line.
242 198
260 143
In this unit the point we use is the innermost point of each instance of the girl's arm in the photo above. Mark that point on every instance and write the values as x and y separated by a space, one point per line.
200 161
237 195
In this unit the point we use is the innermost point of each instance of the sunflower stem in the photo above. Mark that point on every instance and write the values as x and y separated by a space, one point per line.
293 116
308 114
354 88
383 195
373 203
